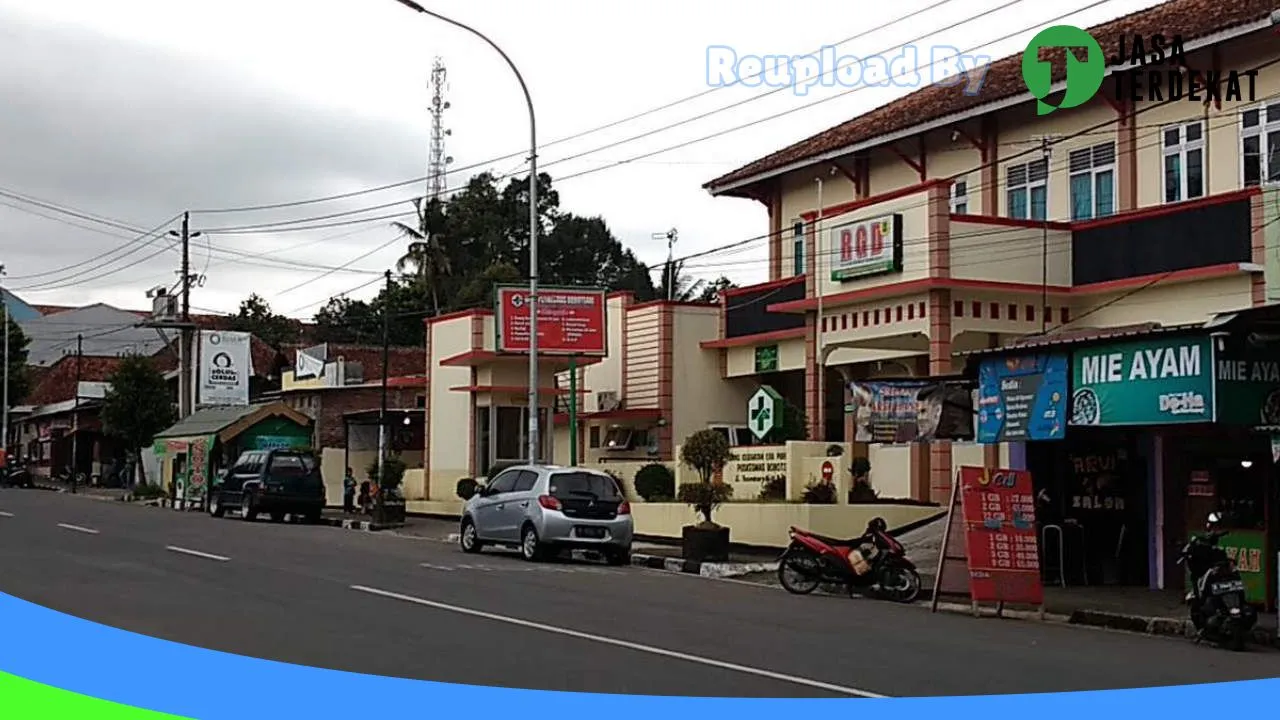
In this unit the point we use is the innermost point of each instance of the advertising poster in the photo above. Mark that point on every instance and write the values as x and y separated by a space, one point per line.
888 412
1022 398
998 508
225 368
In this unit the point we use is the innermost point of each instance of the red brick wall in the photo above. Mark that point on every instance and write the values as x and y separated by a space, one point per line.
334 404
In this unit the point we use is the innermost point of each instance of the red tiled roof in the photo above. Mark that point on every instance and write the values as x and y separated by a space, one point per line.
1191 18
58 382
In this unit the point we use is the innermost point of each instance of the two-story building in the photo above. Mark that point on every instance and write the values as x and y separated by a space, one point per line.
942 224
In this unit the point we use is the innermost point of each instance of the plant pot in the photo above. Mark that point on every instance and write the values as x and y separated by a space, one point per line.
705 544
390 512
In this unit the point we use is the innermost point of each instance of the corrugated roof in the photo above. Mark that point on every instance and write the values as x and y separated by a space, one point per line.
1193 19
209 421
1082 336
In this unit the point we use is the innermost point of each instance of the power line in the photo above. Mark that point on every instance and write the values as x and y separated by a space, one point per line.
559 141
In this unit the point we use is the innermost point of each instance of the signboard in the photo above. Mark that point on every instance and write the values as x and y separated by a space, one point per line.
1156 381
225 367
1248 387
757 464
767 359
1248 550
571 321
764 411
997 510
866 247
904 411
1022 398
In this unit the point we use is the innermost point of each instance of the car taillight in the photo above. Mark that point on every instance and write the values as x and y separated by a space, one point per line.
624 508
548 502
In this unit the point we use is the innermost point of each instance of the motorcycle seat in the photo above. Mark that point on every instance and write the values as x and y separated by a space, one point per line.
842 542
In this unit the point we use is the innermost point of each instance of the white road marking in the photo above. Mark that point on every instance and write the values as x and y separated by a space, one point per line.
196 553
747 670
77 528
5 514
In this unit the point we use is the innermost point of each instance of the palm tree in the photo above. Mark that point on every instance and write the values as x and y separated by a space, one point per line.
682 287
426 257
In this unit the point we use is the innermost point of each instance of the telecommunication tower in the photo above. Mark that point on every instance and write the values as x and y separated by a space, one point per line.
438 163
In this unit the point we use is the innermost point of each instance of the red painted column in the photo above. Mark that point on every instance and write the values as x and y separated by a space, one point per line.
1258 223
940 327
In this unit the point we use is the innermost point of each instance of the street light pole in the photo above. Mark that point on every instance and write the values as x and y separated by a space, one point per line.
533 224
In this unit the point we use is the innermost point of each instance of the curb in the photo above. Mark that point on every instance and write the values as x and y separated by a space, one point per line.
1168 627
362 525
706 569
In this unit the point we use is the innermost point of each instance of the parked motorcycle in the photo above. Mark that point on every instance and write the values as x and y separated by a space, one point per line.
1217 597
873 561
16 475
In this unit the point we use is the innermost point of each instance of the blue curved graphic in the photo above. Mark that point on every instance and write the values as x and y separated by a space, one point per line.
61 651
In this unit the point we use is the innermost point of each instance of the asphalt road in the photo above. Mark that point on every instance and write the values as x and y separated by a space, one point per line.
390 605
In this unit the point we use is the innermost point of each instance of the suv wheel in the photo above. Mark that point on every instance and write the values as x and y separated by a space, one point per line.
468 538
530 546
248 512
216 508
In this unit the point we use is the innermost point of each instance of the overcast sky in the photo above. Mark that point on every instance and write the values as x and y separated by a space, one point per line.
131 111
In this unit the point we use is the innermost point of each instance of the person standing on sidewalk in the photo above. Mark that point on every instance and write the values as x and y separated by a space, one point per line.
349 493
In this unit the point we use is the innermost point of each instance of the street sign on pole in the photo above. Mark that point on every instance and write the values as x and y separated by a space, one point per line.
764 412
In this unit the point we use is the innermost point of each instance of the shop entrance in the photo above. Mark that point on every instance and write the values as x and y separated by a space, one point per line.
1092 507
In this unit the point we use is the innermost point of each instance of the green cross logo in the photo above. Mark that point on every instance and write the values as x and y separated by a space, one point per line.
761 415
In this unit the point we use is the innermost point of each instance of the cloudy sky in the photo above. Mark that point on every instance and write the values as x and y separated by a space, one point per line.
119 115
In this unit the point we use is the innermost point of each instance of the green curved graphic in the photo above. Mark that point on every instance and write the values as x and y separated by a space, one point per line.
26 700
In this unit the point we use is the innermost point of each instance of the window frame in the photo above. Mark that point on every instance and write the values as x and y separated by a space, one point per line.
1183 150
1094 171
798 238
1026 187
960 196
1262 131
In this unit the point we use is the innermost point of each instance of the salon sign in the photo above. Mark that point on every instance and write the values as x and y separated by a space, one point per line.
1153 381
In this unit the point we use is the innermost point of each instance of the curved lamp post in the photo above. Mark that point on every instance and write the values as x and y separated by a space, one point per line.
533 226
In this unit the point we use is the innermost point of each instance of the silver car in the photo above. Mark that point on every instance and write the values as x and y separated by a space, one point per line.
543 509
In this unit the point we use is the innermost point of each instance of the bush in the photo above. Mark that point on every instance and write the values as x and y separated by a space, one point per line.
860 469
392 473
617 479
705 497
655 483
466 488
498 467
834 451
774 488
147 492
862 493
820 493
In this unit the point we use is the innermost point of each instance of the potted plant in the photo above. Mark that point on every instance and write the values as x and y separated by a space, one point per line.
389 507
706 452
861 491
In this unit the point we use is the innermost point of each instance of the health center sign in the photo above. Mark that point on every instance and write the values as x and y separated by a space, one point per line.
871 246
571 321
1153 381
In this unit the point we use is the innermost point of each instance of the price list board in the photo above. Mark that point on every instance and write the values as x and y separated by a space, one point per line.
998 509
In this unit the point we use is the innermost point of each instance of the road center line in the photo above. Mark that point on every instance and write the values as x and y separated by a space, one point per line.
5 514
196 553
77 528
795 680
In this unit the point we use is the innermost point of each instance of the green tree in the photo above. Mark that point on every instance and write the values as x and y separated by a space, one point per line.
707 452
427 260
137 405
255 316
684 288
712 291
19 378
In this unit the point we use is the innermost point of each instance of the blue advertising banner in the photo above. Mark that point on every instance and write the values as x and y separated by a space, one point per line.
1022 398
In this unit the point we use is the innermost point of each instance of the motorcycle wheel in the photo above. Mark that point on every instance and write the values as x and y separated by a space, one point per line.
799 581
900 584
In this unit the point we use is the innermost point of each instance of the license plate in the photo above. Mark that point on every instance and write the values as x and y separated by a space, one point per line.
1228 587
591 532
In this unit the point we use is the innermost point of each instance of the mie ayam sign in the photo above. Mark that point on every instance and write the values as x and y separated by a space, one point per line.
1157 380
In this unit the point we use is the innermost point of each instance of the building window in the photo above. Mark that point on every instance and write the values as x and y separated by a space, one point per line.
593 437
1183 161
1093 181
797 248
960 197
1260 144
1028 187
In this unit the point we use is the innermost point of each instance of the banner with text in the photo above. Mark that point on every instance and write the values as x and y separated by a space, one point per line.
571 321
998 508
1157 380
1022 398
225 368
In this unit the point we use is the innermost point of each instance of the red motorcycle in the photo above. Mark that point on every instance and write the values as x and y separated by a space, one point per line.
873 561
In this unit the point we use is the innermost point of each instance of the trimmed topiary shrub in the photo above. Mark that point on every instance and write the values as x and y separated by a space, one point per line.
656 483
820 493
774 489
466 488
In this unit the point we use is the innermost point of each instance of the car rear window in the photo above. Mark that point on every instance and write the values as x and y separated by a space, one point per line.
584 484
292 465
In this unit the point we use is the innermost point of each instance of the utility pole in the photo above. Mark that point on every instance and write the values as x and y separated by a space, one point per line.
75 416
1044 245
185 349
669 274
382 407
5 299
